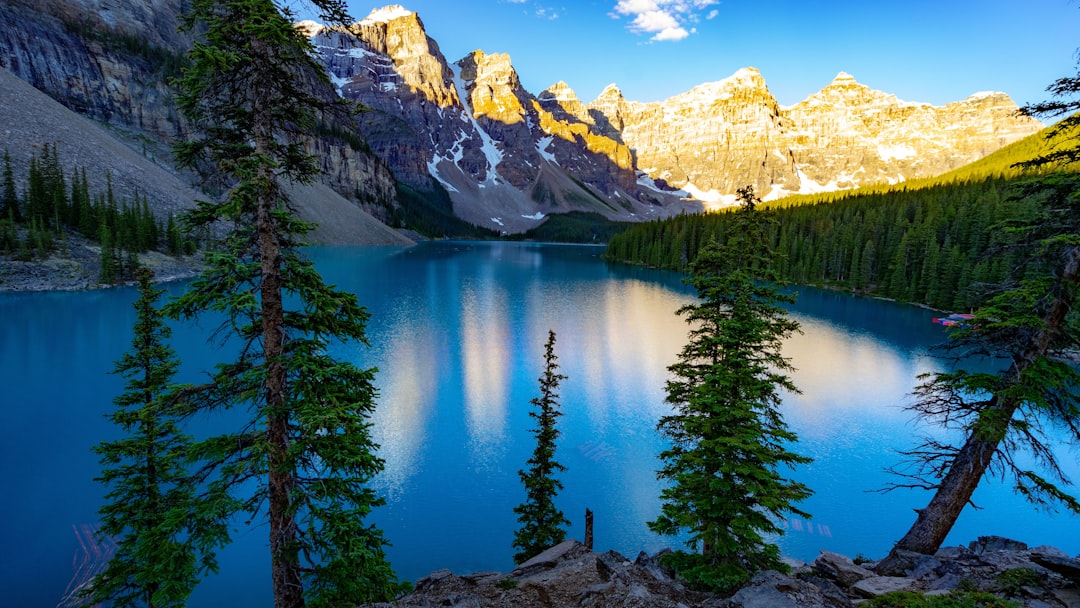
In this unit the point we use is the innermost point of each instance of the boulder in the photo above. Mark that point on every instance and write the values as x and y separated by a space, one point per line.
774 590
880 585
549 558
987 544
1058 562
839 568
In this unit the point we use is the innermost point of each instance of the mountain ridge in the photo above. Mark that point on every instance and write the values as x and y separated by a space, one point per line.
697 147
468 132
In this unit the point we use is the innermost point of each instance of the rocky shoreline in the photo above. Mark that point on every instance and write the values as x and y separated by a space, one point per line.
77 266
571 575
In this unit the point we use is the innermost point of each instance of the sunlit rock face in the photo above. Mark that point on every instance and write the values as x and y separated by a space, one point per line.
506 157
501 151
720 136
848 135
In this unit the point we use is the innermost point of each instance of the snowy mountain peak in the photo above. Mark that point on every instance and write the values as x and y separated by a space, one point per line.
985 95
386 14
843 79
309 28
560 91
611 90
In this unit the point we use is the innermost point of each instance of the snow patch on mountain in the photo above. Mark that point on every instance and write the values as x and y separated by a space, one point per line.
542 146
896 152
386 14
713 199
491 150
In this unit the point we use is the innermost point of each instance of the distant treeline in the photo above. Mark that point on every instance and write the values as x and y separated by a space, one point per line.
932 241
934 245
36 217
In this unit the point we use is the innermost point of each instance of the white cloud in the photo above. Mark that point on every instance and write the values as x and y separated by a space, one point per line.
666 20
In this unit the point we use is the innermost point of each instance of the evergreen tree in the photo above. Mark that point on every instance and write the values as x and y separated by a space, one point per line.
162 549
1024 327
727 436
308 442
541 522
9 199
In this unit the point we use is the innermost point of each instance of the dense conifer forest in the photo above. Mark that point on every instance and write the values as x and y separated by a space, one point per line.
36 218
930 241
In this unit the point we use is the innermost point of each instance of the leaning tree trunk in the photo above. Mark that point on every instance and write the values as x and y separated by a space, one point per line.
966 470
954 492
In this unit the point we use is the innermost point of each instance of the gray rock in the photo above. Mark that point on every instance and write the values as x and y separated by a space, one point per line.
432 580
1065 566
548 558
839 568
828 588
880 585
639 591
987 544
898 563
775 590
796 565
925 567
1070 598
945 583
1048 550
953 552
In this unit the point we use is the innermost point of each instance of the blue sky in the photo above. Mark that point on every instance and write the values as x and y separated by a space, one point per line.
920 50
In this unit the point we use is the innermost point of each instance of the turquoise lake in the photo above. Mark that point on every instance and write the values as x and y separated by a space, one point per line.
457 332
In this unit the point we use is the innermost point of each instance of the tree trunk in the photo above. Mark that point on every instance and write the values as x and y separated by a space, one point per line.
284 568
954 492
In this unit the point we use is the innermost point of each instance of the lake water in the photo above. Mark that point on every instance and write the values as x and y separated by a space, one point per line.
457 333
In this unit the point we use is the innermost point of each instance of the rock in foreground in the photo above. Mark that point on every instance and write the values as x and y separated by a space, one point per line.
571 575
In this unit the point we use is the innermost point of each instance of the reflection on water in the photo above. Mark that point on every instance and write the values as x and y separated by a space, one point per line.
485 346
457 333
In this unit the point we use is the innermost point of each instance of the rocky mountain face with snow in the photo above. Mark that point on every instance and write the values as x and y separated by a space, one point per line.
506 157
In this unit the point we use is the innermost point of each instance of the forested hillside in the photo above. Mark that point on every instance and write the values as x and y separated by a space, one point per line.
930 242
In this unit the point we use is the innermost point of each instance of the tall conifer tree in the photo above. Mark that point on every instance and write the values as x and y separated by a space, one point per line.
308 442
164 543
728 440
1025 326
541 521
9 199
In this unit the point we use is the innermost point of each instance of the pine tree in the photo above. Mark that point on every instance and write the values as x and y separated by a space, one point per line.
9 199
1026 325
108 271
247 92
998 414
541 522
161 548
727 435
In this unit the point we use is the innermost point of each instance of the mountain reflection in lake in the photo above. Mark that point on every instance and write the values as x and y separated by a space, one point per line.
457 332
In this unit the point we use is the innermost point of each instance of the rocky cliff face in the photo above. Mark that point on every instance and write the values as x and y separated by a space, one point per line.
109 60
504 154
722 135
105 60
506 157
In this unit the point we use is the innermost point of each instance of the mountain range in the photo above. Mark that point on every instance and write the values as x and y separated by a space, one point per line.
468 136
